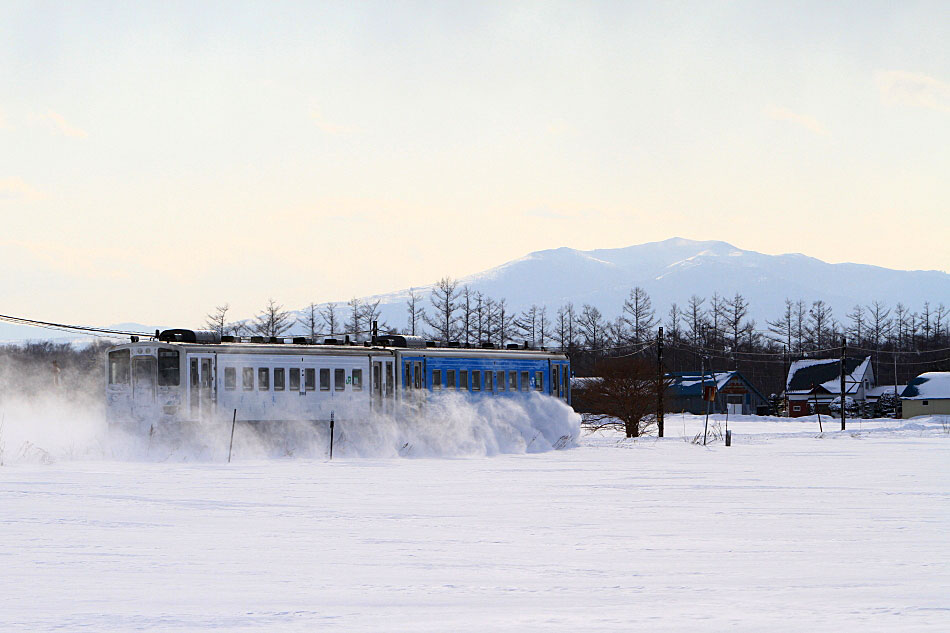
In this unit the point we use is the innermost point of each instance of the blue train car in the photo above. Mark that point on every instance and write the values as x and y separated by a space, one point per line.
484 372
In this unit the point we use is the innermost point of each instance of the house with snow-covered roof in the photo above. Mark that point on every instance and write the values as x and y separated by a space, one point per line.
927 394
813 383
733 393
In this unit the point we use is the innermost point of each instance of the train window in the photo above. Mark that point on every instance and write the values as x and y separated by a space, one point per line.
524 381
436 379
450 379
293 375
247 379
407 376
263 378
539 381
230 376
489 381
357 379
417 375
310 379
501 380
278 378
143 370
119 367
169 370
555 382
513 381
339 379
463 379
324 379
389 379
206 373
567 382
376 377
476 380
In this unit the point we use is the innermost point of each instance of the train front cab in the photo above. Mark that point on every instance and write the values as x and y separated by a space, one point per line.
143 382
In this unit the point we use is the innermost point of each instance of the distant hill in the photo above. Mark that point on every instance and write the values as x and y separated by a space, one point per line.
670 271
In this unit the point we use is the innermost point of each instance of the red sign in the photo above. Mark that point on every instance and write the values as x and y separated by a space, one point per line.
709 393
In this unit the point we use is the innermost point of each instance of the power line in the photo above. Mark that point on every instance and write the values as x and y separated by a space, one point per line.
65 327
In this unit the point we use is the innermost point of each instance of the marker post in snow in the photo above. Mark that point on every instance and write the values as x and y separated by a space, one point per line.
331 435
231 443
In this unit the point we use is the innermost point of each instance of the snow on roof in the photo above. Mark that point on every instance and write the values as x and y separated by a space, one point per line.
877 392
808 374
932 385
691 383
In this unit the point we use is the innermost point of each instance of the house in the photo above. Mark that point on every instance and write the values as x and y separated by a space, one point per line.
927 394
734 394
814 382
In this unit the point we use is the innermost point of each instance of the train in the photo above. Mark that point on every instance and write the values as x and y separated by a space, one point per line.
183 376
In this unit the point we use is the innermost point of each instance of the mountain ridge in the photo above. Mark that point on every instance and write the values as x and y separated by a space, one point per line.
670 271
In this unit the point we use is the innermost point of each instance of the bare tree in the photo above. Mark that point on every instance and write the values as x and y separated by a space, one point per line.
673 322
626 389
310 319
527 323
444 299
819 324
782 330
800 329
357 313
592 326
467 318
504 323
415 310
696 322
856 331
717 313
272 321
940 318
217 320
736 310
639 314
565 326
330 319
544 326
371 314
879 323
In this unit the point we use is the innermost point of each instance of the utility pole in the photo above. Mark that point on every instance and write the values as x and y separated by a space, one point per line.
659 382
844 350
702 371
785 377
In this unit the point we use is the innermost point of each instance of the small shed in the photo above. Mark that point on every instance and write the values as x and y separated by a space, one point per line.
927 394
817 382
734 394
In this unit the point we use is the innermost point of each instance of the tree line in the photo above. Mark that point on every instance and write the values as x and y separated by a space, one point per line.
457 313
715 332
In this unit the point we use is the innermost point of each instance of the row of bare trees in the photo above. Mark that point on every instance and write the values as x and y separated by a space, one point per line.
453 312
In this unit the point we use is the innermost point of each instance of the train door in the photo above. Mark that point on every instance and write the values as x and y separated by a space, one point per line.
201 385
383 385
144 376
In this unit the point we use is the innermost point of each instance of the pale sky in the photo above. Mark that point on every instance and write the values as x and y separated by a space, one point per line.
159 159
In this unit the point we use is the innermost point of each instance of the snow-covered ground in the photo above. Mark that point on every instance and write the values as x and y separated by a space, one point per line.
787 530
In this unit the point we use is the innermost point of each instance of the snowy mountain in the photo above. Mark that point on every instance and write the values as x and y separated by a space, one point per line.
670 271
674 269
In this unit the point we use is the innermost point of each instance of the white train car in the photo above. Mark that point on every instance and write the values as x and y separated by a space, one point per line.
186 376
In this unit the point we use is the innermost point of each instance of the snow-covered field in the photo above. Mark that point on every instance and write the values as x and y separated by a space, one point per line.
787 530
